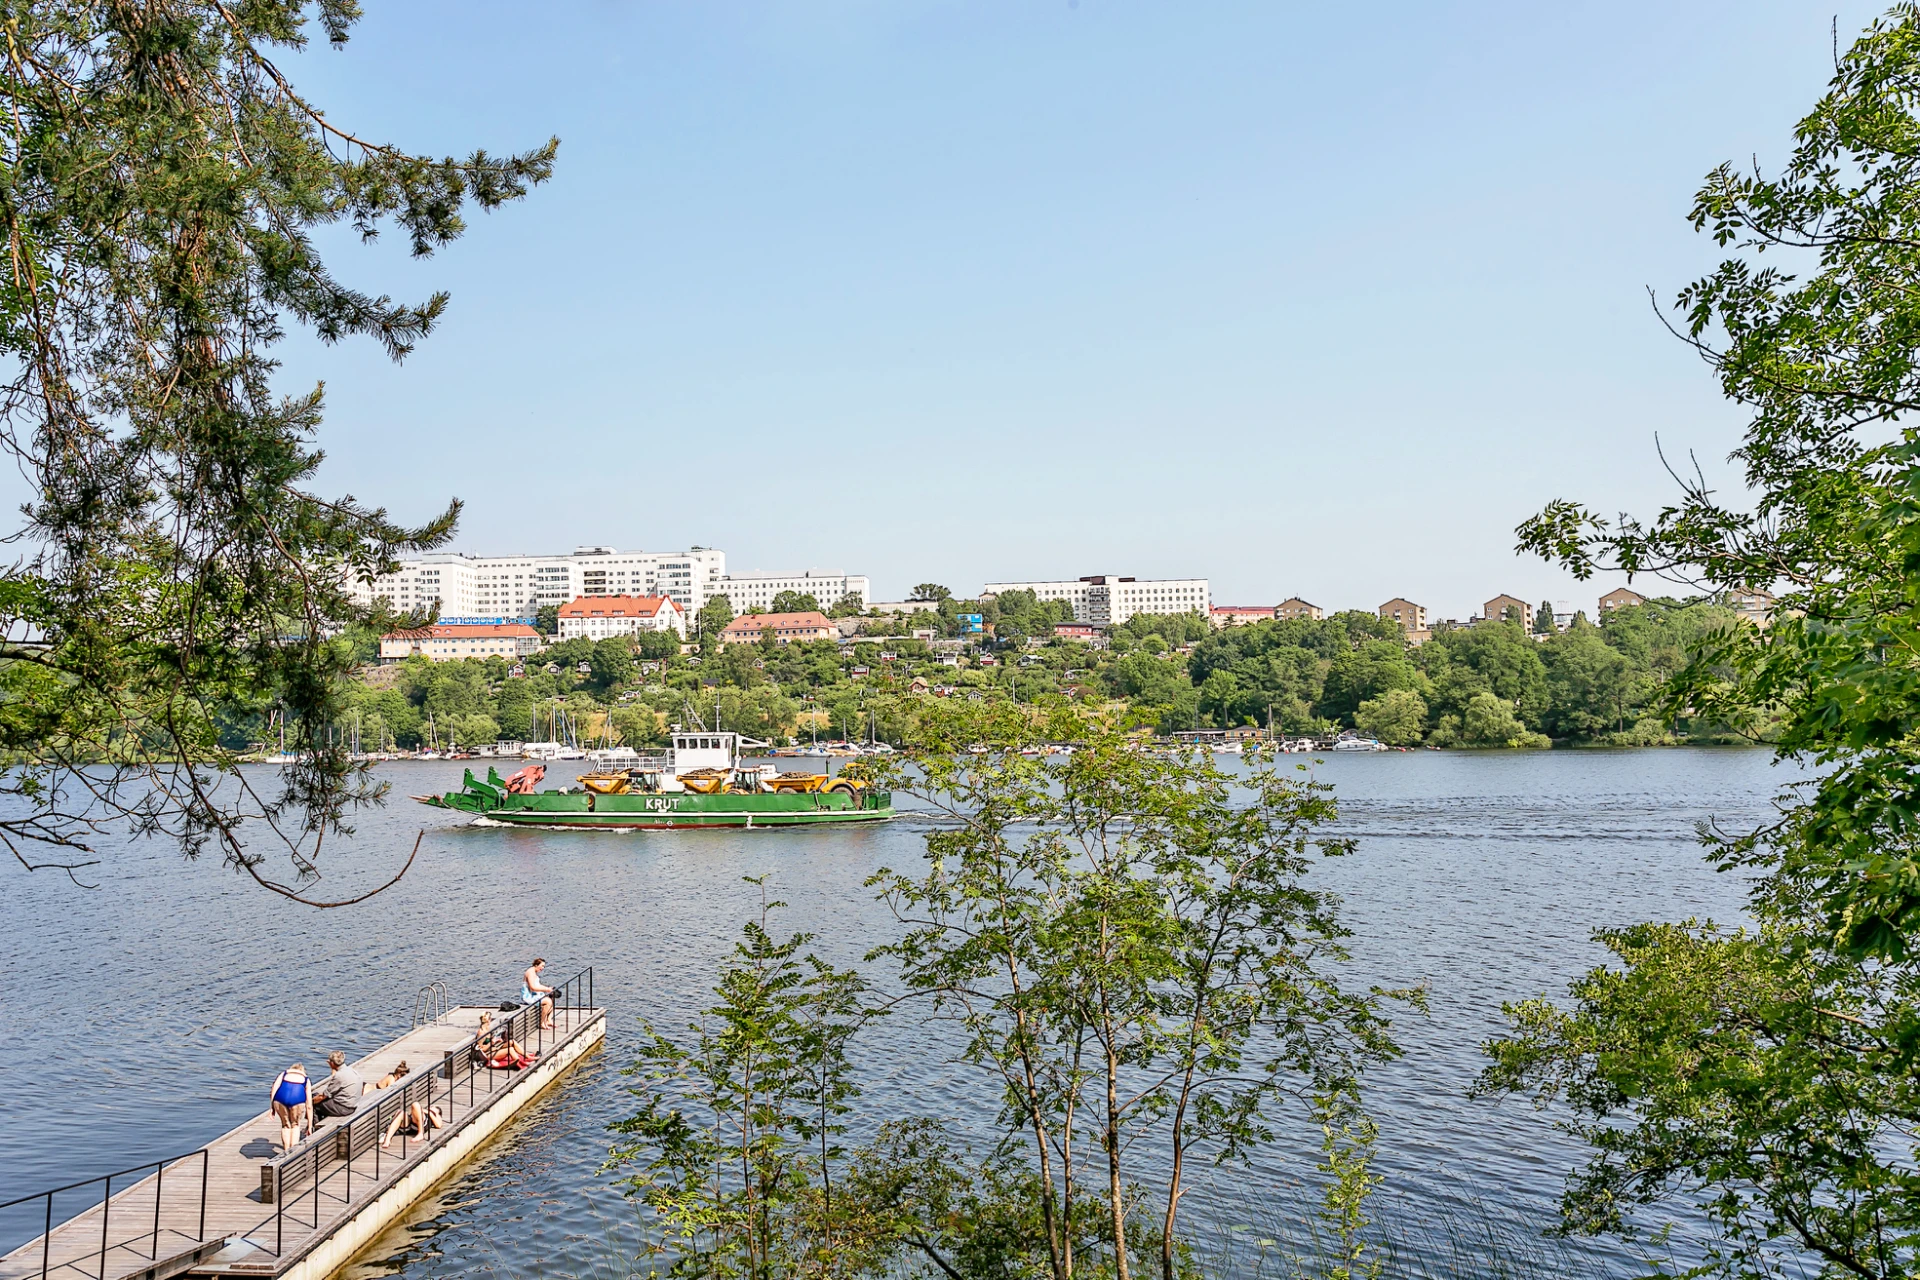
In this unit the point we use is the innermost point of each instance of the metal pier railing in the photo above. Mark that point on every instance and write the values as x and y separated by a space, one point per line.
137 1236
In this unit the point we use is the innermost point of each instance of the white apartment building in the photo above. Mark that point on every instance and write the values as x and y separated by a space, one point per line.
466 586
1108 601
598 617
757 590
488 587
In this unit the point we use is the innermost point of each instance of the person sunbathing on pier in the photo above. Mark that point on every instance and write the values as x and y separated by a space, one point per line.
292 1096
399 1072
414 1123
532 989
497 1049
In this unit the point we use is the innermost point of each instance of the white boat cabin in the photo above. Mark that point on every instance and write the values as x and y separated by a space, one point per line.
716 750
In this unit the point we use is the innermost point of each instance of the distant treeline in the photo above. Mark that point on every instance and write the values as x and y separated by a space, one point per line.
1490 685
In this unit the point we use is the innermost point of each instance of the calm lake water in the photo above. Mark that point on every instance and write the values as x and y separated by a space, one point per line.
152 1012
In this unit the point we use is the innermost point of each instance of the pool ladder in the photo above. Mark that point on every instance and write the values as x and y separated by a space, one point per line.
431 1004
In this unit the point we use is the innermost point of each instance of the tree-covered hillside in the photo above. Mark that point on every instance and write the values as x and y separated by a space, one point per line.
1491 685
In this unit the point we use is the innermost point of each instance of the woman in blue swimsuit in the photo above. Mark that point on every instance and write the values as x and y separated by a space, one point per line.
290 1104
532 989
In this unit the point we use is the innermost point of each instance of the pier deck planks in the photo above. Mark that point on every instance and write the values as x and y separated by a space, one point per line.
233 1206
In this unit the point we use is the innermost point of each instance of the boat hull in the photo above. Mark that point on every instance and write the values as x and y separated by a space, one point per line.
586 811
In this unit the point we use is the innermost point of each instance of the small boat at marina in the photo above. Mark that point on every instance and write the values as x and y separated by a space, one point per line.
618 758
701 782
1348 742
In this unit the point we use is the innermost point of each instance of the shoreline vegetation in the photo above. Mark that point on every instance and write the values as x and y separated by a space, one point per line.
1490 686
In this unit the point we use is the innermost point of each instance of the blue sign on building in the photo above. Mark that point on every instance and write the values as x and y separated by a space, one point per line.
971 623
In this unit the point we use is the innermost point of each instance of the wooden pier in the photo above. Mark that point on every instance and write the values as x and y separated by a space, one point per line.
241 1207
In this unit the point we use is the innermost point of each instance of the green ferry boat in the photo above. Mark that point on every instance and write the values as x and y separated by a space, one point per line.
701 782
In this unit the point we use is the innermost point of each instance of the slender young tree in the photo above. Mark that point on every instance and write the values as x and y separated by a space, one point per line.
1129 943
736 1139
160 184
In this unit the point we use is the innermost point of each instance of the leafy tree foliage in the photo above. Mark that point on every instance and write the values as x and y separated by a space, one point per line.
1766 1079
611 661
1489 721
1015 615
930 591
795 602
1397 717
1496 658
163 184
1147 678
1357 675
639 726
1171 628
1589 685
1768 1072
1114 932
1269 673
654 646
713 618
736 1140
1825 365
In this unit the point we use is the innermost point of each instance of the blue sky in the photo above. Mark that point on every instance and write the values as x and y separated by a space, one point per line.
1316 300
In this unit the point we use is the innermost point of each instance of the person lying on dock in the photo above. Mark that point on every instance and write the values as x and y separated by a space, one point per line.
292 1095
414 1123
531 989
497 1049
340 1095
399 1072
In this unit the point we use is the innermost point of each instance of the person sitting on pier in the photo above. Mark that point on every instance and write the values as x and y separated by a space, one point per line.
531 989
497 1049
414 1122
291 1097
340 1095
399 1072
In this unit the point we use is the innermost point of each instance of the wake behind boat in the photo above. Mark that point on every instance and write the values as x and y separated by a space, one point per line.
700 782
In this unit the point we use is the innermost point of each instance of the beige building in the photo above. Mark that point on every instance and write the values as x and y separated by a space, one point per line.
1496 610
1411 617
786 627
1230 615
1755 606
1295 607
598 617
454 641
1619 599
